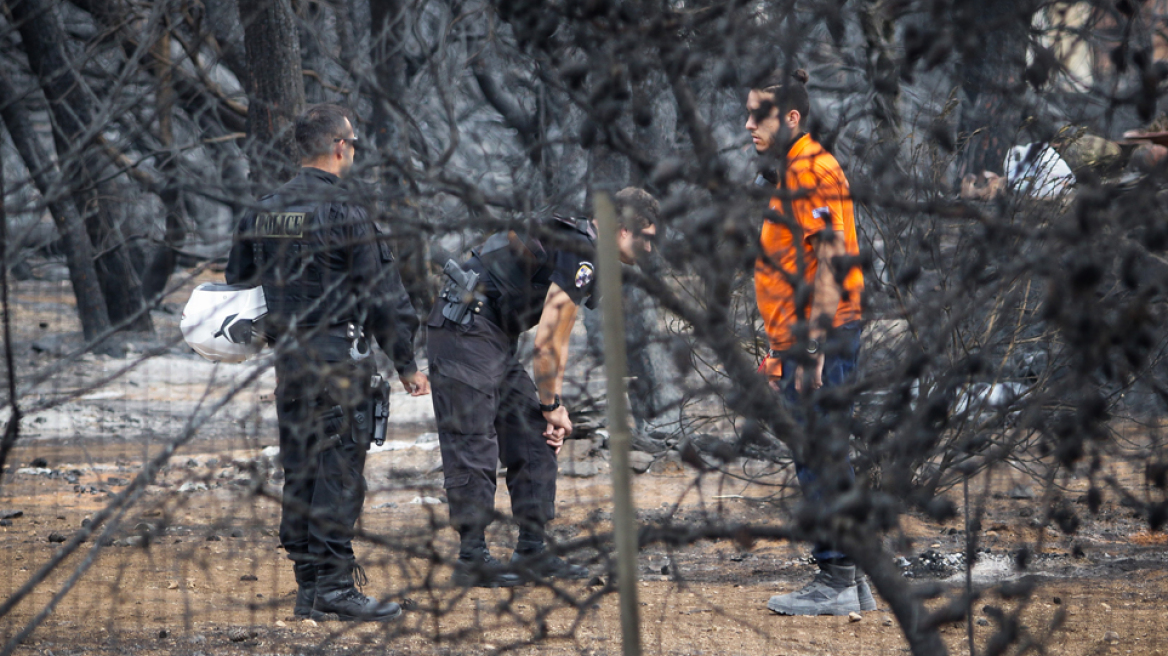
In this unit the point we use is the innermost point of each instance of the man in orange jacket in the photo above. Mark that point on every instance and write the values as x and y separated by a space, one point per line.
808 285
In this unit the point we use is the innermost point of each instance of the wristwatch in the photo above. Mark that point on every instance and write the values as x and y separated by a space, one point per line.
812 346
548 407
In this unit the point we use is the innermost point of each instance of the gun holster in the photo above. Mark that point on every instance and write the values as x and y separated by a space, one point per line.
462 297
379 407
363 424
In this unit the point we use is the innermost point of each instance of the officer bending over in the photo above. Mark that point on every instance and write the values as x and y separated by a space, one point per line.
329 281
487 407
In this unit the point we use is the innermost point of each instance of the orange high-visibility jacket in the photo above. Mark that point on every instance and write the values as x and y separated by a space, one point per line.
816 197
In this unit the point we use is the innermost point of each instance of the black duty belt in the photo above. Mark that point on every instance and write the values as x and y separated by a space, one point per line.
346 331
355 335
488 312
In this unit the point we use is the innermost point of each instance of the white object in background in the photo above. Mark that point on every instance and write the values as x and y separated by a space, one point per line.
987 396
391 445
1037 170
217 321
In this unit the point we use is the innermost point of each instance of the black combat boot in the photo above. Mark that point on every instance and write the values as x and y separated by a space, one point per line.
477 568
336 594
306 588
535 562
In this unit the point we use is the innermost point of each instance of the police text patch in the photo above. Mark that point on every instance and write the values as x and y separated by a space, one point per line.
584 274
288 225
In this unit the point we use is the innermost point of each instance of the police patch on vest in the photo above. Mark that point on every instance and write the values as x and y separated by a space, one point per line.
286 225
584 274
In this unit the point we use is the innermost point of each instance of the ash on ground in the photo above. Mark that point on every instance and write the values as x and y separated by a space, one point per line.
932 564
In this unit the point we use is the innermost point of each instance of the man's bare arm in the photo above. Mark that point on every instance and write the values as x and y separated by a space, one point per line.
825 299
550 359
827 292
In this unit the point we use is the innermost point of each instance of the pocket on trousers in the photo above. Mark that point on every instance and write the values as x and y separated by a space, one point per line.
435 320
481 374
458 480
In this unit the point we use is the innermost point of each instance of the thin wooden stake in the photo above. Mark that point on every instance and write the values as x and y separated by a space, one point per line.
620 440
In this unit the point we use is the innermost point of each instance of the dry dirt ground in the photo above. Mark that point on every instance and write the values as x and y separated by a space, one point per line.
194 566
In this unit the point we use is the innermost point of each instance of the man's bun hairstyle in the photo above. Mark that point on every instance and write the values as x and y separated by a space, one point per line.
789 90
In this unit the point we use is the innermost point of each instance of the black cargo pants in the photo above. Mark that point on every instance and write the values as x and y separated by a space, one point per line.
487 409
324 479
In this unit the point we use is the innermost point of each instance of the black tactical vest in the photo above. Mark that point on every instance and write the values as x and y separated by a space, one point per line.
286 244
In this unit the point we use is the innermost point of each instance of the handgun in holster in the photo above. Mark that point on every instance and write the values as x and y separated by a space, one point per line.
461 294
379 407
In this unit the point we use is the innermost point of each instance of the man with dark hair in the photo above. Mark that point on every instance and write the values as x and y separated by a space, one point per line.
329 282
487 406
808 286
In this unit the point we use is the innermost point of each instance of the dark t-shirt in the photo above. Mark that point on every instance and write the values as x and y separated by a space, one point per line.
567 259
575 273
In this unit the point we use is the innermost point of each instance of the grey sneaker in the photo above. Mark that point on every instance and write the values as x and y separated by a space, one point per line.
833 591
864 593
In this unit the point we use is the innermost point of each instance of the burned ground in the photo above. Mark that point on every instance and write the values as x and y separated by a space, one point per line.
194 564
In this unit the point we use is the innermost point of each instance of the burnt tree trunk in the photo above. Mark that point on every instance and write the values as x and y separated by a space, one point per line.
78 251
353 33
201 101
215 117
526 126
72 107
222 21
388 53
275 84
163 258
992 70
313 22
393 145
877 24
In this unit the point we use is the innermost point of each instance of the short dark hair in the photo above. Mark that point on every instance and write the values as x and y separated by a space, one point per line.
318 128
789 91
636 209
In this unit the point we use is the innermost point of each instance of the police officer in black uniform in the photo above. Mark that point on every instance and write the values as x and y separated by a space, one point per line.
487 407
329 281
